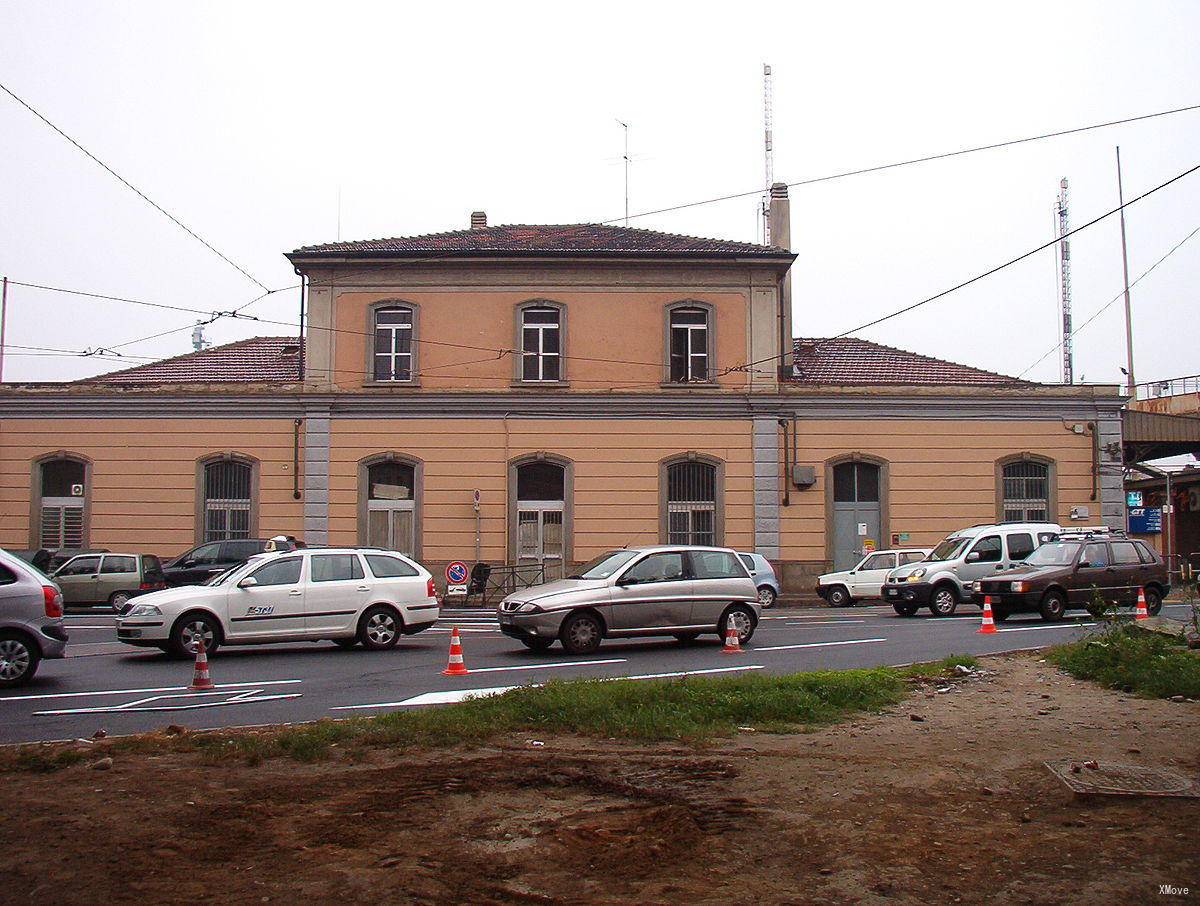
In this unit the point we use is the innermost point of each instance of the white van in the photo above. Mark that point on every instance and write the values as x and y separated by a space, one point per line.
949 574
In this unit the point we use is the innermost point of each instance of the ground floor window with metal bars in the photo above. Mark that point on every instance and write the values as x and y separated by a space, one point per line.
692 503
1025 491
228 500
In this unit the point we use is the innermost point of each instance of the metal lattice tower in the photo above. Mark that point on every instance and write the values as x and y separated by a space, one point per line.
198 341
1064 271
768 147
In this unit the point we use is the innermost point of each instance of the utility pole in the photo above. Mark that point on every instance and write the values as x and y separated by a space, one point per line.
3 322
769 152
1125 265
1064 271
625 160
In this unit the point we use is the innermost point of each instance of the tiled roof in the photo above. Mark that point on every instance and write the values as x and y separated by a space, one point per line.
849 360
546 239
270 359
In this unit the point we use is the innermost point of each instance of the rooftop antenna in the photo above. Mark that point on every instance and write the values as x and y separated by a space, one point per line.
339 217
1064 281
768 148
198 341
625 158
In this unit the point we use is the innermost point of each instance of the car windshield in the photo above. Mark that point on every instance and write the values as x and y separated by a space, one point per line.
948 549
1056 553
604 566
240 570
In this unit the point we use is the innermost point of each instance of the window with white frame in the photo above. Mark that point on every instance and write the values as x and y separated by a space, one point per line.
393 355
689 345
541 344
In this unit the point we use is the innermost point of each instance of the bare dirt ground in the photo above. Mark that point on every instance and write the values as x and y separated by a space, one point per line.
952 808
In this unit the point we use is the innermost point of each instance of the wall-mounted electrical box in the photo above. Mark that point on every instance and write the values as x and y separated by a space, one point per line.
1080 512
804 476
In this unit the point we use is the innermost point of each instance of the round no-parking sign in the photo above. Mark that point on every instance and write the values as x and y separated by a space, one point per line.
456 572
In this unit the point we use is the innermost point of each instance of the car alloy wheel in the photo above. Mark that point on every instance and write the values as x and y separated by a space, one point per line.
1054 607
192 631
381 630
741 621
119 601
581 634
766 596
15 659
944 602
838 596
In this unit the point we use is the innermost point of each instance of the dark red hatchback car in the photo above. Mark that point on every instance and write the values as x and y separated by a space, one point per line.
1070 572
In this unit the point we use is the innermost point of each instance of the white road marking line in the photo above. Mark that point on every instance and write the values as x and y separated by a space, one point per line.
757 649
21 698
1037 628
247 697
825 622
460 629
615 660
452 696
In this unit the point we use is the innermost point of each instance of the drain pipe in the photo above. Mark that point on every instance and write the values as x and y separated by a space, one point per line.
787 465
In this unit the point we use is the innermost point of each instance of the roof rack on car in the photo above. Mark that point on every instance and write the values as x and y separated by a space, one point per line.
1089 530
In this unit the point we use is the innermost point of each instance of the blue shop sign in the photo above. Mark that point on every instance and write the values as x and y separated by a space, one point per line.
1145 520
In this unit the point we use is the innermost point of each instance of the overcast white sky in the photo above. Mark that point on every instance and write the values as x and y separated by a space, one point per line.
244 119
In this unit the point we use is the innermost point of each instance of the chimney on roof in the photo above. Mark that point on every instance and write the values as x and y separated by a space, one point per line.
779 218
478 220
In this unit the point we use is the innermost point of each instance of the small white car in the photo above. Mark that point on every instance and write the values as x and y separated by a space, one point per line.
346 595
865 579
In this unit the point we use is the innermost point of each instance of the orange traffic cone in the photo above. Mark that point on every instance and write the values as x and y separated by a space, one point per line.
455 667
1142 612
988 624
733 644
201 681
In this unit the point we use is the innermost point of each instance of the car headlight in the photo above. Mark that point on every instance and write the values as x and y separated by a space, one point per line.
1020 586
916 574
144 610
529 607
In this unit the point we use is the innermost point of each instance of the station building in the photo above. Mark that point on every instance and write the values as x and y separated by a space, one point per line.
539 394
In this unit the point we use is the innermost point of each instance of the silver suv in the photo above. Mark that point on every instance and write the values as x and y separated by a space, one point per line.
31 620
676 590
948 575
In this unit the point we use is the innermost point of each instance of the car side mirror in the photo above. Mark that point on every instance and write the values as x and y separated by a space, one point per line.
248 582
973 557
1083 564
188 562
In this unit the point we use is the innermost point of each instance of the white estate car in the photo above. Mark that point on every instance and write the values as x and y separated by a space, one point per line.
346 595
865 579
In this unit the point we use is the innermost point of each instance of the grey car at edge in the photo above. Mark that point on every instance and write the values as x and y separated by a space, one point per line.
683 591
31 620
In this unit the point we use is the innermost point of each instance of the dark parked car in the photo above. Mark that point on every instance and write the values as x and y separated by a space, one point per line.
203 562
1068 573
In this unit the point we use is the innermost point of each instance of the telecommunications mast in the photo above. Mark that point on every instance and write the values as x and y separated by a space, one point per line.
770 155
1064 279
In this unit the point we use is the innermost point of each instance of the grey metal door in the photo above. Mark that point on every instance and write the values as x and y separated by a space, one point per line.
857 519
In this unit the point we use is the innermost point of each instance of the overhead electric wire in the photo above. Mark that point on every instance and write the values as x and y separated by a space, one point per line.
994 270
905 163
175 220
1107 305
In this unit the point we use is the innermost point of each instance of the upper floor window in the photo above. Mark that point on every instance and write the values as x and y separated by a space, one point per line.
393 349
541 344
690 344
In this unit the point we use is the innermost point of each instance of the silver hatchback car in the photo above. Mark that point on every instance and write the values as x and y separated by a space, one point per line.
31 620
676 590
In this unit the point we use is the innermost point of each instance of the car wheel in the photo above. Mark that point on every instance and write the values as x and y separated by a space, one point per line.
1053 607
944 601
686 638
766 596
379 628
905 610
346 644
581 633
838 596
537 643
118 601
741 619
189 630
1153 602
18 660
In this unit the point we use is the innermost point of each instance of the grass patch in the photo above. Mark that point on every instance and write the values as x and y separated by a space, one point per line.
690 708
944 667
1133 660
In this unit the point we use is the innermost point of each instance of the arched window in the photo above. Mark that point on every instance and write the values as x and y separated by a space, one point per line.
60 501
393 328
228 506
691 492
540 491
1025 488
541 325
389 491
